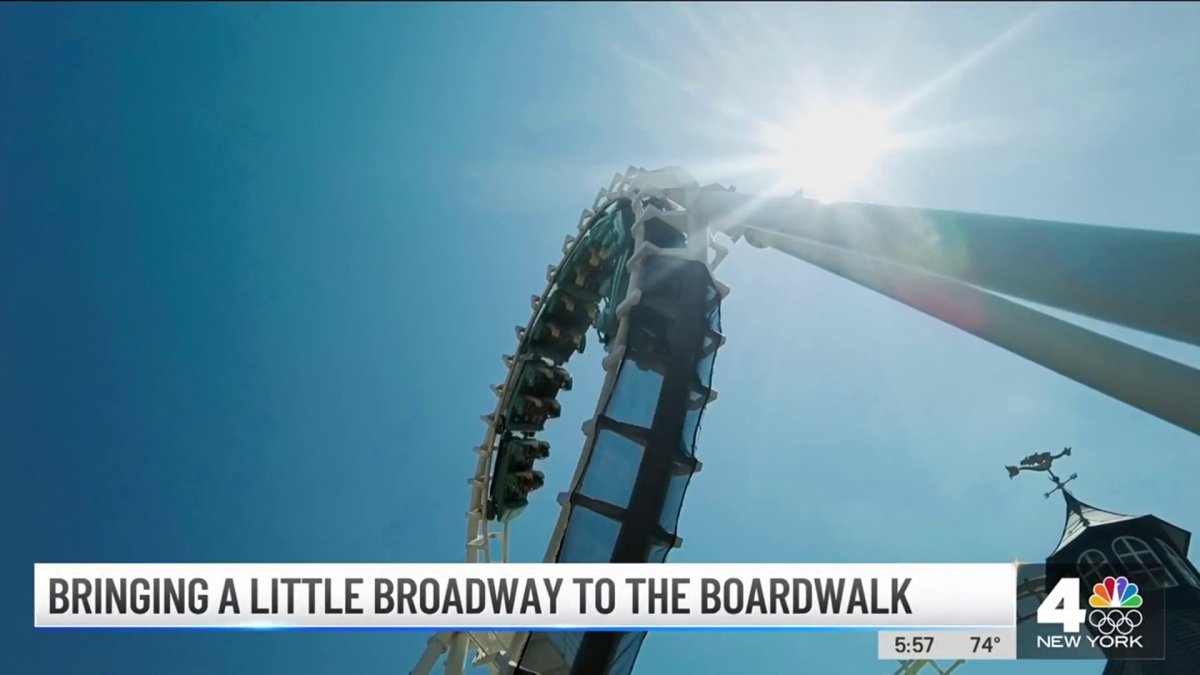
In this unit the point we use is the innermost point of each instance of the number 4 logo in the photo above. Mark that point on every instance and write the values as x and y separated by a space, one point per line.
1061 606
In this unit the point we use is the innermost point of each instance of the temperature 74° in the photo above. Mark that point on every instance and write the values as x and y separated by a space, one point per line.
985 643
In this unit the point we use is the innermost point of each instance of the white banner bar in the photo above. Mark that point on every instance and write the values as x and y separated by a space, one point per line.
460 596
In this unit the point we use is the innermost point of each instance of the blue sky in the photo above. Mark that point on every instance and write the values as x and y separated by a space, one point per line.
258 264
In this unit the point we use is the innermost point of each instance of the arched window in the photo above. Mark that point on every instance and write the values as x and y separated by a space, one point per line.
1143 564
1094 566
1181 566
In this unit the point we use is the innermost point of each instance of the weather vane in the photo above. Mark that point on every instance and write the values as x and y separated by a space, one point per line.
1042 461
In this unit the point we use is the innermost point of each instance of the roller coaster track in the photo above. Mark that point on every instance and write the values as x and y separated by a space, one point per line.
633 242
639 271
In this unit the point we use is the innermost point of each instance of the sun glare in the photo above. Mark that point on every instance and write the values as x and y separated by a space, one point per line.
830 150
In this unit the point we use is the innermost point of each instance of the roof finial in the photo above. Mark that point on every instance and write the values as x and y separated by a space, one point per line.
1042 461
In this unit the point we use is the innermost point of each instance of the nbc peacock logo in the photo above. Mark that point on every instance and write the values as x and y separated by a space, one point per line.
1116 613
1115 593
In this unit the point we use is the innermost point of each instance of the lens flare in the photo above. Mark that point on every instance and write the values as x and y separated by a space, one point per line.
829 150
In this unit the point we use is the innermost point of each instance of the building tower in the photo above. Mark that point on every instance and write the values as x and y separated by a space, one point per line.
1099 543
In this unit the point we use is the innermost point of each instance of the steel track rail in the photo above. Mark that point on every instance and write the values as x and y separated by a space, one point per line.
635 185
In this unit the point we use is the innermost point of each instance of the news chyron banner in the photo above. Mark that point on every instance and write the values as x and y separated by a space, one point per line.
535 597
1119 614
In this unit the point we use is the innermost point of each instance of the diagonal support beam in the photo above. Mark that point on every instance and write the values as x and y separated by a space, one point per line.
1143 279
1157 385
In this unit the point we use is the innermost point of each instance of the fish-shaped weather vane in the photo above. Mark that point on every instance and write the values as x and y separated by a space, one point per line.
1043 461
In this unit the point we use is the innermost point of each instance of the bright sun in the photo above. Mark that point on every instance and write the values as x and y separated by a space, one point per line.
829 150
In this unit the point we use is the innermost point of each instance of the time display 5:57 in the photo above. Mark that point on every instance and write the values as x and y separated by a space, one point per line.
914 644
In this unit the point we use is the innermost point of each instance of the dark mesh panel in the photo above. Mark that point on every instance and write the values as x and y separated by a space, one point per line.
589 537
691 428
669 517
635 397
567 644
658 553
613 469
626 653
705 366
